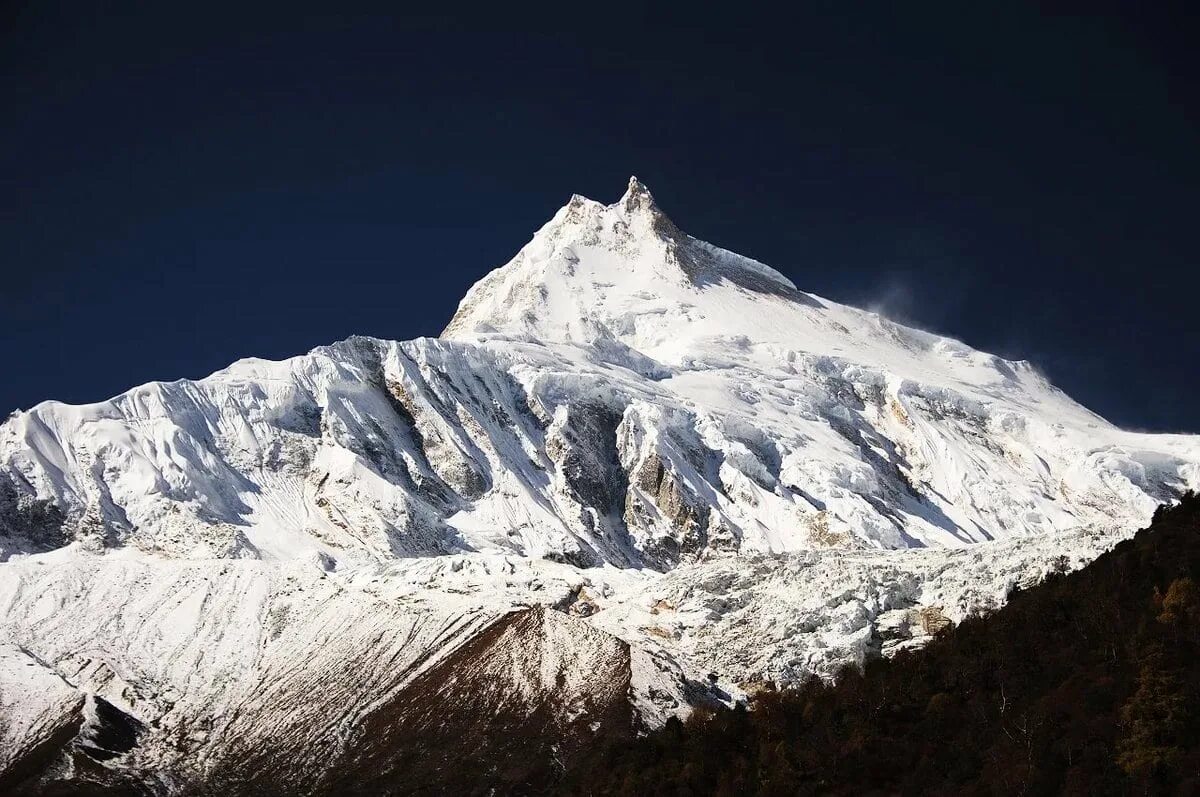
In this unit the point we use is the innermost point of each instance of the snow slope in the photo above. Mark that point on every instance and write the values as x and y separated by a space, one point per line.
660 437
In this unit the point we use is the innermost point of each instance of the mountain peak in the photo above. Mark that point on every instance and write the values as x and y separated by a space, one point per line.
622 271
639 209
637 196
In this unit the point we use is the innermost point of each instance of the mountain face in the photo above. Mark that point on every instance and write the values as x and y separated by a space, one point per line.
627 441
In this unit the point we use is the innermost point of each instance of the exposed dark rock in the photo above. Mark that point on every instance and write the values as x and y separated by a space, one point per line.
30 524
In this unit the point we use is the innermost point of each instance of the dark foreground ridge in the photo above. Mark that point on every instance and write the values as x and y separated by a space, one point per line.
1088 683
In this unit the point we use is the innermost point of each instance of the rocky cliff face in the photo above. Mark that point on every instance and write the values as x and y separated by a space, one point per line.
732 473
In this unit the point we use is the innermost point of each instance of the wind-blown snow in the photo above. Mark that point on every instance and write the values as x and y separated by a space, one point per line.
627 423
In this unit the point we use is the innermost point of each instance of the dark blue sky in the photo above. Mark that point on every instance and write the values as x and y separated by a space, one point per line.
177 192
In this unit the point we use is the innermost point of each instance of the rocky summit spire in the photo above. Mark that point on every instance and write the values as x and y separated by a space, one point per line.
637 195
638 200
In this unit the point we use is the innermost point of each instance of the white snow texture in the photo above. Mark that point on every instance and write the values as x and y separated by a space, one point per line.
664 438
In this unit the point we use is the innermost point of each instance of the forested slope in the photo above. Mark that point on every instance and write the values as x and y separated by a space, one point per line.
1085 684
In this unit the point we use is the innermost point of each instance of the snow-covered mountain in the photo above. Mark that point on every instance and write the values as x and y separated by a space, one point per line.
698 468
